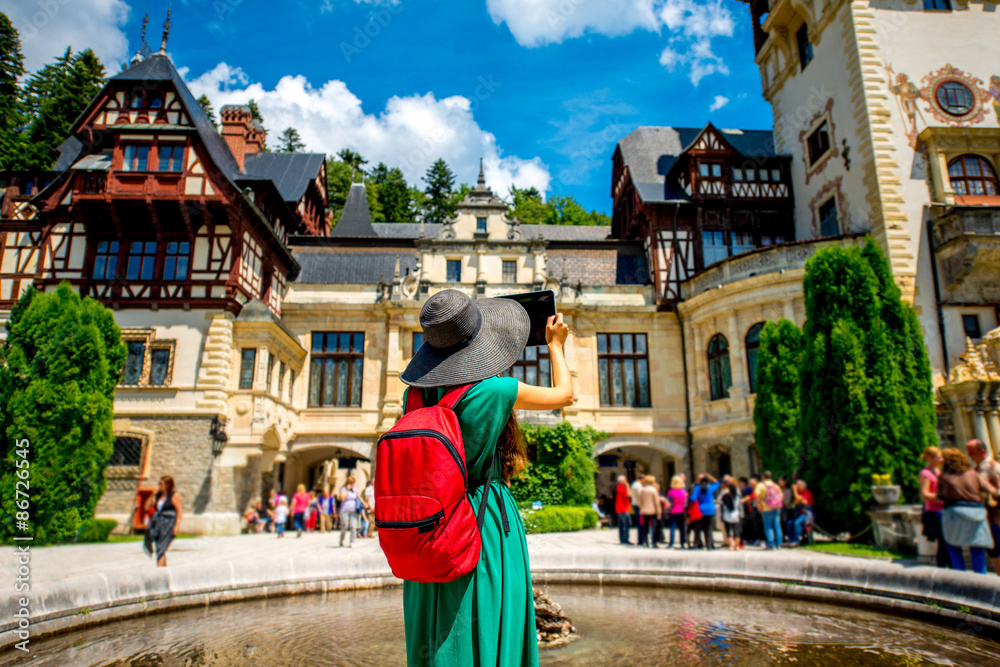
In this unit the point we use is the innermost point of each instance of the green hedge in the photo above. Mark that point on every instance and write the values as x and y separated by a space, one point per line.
558 519
95 530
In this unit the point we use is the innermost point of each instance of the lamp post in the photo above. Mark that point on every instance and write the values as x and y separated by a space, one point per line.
217 432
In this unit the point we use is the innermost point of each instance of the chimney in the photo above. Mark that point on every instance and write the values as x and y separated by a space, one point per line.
243 135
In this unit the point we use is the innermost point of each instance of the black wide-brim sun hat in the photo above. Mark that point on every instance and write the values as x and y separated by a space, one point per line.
466 340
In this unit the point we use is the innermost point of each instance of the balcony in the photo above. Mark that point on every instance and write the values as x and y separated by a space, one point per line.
772 259
967 245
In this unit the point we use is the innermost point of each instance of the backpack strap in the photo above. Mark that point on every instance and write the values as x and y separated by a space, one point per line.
455 394
414 399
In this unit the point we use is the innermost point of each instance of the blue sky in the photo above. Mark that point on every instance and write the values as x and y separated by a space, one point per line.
542 89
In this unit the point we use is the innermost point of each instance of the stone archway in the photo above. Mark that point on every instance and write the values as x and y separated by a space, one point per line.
633 457
720 461
328 462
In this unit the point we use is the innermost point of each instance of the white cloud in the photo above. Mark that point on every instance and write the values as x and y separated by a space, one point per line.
719 102
692 25
47 27
410 133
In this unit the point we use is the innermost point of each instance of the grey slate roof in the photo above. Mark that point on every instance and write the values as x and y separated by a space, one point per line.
290 172
255 311
335 266
355 220
650 152
614 266
405 230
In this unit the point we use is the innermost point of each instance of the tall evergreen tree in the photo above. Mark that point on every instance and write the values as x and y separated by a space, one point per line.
63 359
206 106
339 179
255 111
11 115
394 194
776 410
57 95
290 141
439 204
853 308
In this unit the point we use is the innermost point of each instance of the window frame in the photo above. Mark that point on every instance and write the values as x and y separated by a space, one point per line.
988 177
482 224
323 356
978 327
151 346
934 8
541 354
129 163
143 255
753 350
170 162
715 357
805 47
109 265
248 363
505 275
822 220
823 129
449 264
606 382
178 258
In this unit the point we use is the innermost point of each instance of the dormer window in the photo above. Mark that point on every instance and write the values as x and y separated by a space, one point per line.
710 170
170 158
480 225
155 103
136 158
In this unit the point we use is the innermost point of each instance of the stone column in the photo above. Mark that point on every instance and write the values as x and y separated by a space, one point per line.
392 403
979 425
737 356
698 367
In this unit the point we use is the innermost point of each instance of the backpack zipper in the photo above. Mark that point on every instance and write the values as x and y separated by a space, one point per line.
420 523
437 436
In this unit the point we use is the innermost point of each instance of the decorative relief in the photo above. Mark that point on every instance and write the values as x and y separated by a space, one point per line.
821 197
821 116
948 73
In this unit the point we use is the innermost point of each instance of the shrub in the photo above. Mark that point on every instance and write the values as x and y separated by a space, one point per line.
563 468
95 530
558 519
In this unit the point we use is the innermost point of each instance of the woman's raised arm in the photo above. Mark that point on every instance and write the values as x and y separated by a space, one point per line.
560 394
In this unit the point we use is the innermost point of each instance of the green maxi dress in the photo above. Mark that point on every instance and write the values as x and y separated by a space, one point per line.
486 617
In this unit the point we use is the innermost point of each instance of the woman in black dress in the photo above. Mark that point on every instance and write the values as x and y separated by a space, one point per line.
166 520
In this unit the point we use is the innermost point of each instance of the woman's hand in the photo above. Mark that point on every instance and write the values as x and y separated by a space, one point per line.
556 331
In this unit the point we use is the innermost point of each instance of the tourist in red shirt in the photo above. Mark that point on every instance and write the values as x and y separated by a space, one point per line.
623 509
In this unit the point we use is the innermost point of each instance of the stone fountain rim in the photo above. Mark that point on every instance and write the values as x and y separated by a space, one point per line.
962 601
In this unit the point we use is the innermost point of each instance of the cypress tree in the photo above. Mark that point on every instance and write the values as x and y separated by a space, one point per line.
11 116
63 357
776 410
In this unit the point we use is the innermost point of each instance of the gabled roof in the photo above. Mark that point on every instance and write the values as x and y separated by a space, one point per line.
650 153
355 220
159 68
291 172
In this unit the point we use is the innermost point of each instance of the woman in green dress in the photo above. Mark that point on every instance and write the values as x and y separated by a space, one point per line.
486 617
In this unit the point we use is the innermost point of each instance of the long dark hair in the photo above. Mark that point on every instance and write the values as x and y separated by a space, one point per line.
512 449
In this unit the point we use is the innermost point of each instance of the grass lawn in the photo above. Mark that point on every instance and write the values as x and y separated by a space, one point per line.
859 550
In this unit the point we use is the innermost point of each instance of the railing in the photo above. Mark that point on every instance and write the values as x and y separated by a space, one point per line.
763 260
91 183
980 221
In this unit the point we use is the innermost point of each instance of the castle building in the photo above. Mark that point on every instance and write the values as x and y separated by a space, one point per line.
264 348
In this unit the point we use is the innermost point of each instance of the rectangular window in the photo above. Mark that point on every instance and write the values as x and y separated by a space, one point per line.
481 225
175 265
270 375
714 247
533 367
136 158
775 175
127 452
943 5
454 271
418 340
159 366
971 325
247 363
336 369
805 46
763 175
710 170
751 174
106 260
819 143
134 361
281 380
509 271
828 218
170 158
141 260
623 366
742 242
737 174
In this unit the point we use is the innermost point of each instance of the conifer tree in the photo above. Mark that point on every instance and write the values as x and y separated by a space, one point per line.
440 203
63 358
394 194
206 106
11 114
290 141
776 410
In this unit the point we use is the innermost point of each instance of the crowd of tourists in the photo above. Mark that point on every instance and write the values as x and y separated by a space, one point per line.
749 511
349 510
960 493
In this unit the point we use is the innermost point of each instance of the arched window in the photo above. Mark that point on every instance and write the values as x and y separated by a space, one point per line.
972 175
753 343
719 376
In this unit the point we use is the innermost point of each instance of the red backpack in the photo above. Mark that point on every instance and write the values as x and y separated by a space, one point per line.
426 525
